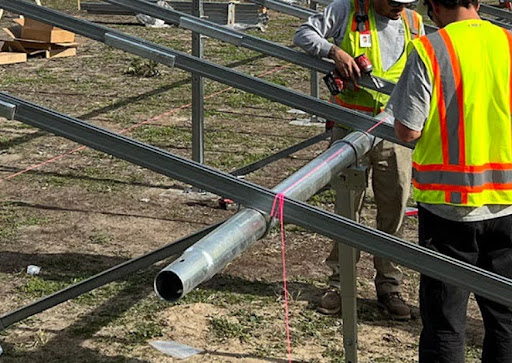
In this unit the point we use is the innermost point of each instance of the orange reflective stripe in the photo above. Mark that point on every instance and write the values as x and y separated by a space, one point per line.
353 106
462 189
464 196
460 94
439 93
413 28
462 168
356 11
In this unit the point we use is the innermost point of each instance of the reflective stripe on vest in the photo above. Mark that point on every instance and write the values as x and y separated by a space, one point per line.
364 99
462 181
413 22
449 88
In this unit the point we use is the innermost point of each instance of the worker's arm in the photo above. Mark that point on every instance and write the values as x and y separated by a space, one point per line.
313 35
404 133
409 103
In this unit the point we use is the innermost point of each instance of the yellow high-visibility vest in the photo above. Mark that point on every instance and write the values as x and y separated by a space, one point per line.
362 19
464 155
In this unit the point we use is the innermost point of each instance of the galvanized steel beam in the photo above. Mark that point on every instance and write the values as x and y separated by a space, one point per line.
494 11
274 92
428 262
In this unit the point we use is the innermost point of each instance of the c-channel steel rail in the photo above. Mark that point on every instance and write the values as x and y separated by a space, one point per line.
303 13
171 57
428 262
239 39
491 10
103 278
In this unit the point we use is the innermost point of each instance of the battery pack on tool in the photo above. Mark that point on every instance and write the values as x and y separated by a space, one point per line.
334 83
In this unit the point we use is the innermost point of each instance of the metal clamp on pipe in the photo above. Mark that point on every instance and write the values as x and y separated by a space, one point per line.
128 45
7 110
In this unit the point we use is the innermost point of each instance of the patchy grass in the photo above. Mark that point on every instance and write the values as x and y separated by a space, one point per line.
12 219
39 287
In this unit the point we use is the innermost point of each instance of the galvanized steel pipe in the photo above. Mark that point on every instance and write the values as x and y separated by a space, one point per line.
211 254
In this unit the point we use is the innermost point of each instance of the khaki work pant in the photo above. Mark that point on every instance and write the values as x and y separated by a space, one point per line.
391 181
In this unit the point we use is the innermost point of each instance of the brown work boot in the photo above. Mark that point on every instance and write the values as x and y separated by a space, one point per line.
330 302
395 306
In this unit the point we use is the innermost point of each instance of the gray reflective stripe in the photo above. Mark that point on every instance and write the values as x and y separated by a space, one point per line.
449 95
463 179
410 21
456 197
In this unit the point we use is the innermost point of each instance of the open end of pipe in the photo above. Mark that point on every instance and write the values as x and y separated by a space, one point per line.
168 286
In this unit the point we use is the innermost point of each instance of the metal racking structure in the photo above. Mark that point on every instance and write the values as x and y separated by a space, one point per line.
259 199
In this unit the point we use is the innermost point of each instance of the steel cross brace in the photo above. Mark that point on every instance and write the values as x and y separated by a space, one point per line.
103 278
283 95
431 263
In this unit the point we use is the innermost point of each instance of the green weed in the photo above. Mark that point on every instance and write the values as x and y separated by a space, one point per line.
223 329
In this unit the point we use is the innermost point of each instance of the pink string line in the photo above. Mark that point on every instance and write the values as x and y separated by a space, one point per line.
174 110
279 214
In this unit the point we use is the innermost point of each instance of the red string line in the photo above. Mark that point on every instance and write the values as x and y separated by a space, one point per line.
170 112
279 213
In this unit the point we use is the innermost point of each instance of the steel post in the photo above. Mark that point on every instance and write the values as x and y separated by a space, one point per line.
210 255
197 91
315 89
352 182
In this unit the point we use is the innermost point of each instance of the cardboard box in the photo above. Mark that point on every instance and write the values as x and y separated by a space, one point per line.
10 58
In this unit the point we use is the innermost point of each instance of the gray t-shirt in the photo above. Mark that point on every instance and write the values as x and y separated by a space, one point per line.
410 105
313 35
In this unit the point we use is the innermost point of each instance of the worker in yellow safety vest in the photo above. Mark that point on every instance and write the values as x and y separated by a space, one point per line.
379 29
455 97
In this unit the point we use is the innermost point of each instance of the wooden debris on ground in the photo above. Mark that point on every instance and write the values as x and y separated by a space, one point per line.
33 38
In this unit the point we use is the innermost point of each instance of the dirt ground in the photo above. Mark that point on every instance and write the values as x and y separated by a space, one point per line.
85 212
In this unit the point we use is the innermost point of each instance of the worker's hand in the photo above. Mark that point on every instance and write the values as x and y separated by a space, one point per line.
345 64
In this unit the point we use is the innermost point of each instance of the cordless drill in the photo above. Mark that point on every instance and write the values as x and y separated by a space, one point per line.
336 84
